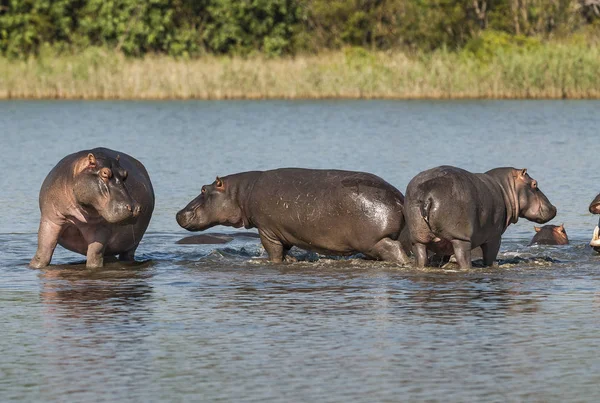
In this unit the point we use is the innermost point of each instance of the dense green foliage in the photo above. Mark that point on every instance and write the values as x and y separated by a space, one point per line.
274 27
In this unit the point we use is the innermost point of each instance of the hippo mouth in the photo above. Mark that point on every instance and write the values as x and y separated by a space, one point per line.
595 242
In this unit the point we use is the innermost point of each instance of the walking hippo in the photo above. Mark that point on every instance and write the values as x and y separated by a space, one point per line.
550 235
326 211
595 209
452 211
94 202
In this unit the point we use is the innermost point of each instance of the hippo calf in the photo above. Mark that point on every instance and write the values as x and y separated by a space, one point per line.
326 211
94 202
452 211
550 235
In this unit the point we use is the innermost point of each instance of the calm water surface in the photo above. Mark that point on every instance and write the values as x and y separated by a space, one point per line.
218 323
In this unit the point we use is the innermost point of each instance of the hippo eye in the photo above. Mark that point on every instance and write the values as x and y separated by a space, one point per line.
534 185
203 189
124 176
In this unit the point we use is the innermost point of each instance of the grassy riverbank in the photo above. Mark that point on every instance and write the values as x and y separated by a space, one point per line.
550 70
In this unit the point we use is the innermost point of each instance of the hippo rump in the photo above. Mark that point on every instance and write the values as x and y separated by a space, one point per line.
326 211
550 235
452 211
595 209
94 202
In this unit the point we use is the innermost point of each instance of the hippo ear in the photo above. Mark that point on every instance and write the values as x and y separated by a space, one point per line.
118 156
523 172
219 183
84 163
537 229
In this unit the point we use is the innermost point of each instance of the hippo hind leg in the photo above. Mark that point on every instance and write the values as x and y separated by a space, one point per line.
128 256
462 252
490 251
420 252
389 250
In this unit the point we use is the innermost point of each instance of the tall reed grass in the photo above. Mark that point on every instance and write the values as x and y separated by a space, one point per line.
548 71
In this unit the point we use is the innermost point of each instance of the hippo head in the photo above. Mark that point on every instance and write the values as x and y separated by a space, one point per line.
99 184
532 204
215 205
555 233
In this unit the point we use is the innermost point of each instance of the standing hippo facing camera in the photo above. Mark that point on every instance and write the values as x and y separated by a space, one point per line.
550 235
97 203
326 211
452 211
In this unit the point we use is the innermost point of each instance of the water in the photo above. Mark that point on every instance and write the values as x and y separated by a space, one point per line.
217 323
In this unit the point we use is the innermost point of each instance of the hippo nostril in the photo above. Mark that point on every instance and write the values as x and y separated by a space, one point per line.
128 207
136 210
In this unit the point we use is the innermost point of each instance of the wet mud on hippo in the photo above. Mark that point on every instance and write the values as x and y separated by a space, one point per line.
94 202
330 212
452 211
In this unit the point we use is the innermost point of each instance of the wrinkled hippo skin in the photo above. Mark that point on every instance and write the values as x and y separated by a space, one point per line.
452 211
326 211
550 235
94 202
214 239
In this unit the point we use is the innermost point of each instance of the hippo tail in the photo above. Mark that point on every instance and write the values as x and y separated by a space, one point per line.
426 208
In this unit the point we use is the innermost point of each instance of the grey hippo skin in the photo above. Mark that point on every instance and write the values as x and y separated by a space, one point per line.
550 235
595 209
94 202
326 211
452 211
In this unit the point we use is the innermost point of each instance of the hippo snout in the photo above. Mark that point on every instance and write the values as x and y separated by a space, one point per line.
545 215
134 209
184 218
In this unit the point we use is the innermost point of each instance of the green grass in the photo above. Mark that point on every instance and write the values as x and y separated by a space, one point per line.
550 70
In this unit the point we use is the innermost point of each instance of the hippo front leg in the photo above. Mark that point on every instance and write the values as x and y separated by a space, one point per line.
274 247
97 240
462 253
47 239
490 251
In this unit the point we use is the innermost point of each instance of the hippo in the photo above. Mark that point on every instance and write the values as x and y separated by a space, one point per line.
94 202
550 235
595 209
330 212
452 211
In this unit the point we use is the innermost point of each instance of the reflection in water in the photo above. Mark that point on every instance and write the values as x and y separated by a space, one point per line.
91 319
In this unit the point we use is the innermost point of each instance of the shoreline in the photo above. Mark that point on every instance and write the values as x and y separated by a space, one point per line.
551 72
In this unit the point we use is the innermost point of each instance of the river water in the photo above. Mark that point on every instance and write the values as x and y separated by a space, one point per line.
218 323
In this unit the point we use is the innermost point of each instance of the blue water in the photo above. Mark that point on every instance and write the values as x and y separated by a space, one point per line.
216 322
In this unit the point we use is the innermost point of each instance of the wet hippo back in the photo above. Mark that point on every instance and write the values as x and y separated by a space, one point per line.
327 211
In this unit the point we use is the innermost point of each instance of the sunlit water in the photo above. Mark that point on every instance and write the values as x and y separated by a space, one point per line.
216 322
